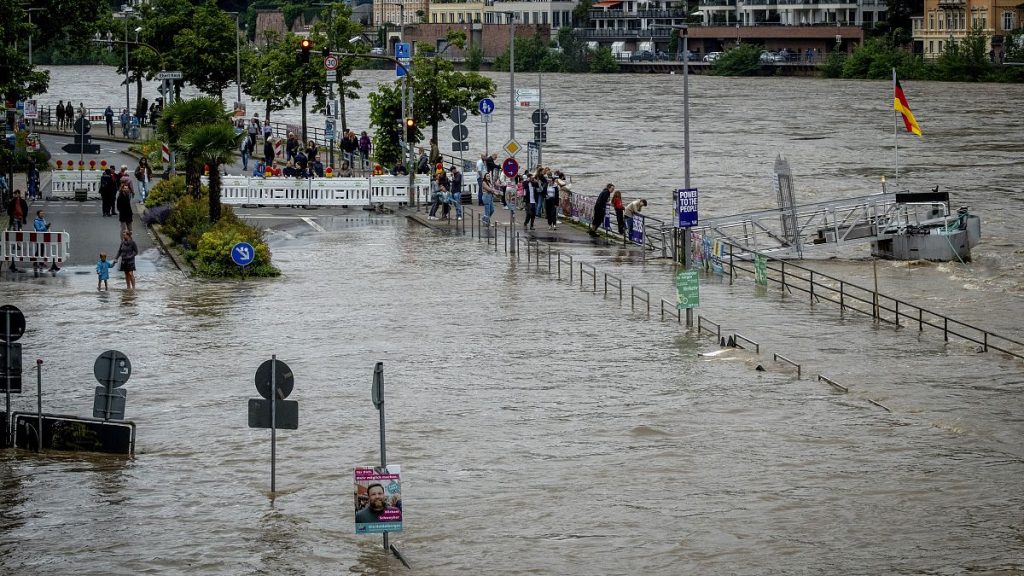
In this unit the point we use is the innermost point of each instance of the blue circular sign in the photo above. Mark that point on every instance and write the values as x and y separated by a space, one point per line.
243 253
486 106
510 167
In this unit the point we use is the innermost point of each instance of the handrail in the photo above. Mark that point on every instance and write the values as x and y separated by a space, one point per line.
718 328
776 357
833 383
672 306
881 307
633 297
592 273
618 284
737 337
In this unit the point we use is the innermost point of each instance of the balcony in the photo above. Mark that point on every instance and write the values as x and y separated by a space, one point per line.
612 14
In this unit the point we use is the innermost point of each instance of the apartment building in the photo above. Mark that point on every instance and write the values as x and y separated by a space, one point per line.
946 21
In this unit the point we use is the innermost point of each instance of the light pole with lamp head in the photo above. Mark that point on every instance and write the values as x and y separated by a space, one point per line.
238 57
684 32
30 11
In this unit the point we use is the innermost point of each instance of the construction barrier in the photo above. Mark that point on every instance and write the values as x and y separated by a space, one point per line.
336 192
35 247
65 182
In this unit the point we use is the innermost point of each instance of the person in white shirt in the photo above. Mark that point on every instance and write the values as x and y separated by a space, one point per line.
481 167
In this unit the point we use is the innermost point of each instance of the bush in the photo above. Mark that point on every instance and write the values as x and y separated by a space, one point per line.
189 219
212 256
156 215
168 191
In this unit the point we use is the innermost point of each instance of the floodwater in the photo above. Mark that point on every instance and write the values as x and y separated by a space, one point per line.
544 429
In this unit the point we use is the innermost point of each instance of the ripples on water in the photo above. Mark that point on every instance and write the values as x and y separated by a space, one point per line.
546 431
540 431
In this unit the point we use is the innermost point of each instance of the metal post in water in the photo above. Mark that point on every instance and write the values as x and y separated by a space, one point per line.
39 402
273 423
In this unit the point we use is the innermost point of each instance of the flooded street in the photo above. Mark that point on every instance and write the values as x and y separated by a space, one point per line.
543 429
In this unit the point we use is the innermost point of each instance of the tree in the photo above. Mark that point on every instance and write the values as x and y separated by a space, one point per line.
437 87
178 119
277 78
386 117
743 60
206 50
335 30
18 80
604 61
210 144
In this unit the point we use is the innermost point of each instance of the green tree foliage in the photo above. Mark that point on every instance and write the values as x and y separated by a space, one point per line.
965 60
438 88
386 118
603 61
876 58
178 119
17 79
743 60
333 30
279 80
210 145
206 49
474 58
531 56
575 56
582 13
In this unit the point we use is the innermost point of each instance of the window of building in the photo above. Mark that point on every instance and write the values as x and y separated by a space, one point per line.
931 46
1007 20
555 19
931 21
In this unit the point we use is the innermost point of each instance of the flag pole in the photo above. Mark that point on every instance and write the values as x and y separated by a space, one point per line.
895 129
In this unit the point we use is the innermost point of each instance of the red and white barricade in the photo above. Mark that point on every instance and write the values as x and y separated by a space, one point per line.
35 247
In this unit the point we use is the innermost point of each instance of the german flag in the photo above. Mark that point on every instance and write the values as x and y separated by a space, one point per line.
901 106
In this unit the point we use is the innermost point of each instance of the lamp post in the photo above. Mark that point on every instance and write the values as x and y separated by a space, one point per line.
30 10
238 57
127 13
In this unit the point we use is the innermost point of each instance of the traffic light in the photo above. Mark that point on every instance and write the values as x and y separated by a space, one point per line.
305 45
410 129
325 52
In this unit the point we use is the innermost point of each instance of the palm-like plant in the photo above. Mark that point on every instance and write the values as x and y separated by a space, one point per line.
210 144
179 118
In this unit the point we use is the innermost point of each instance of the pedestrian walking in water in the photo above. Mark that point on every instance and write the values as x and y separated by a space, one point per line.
600 208
126 254
102 272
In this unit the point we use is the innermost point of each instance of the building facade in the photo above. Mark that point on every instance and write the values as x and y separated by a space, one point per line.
949 21
792 12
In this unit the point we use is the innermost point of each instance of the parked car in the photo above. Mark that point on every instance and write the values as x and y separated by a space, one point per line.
770 57
712 56
643 55
377 50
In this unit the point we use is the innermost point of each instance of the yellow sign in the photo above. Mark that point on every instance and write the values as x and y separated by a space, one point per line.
512 147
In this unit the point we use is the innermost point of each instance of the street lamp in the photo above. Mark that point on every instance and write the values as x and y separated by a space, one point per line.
30 10
126 13
684 32
238 57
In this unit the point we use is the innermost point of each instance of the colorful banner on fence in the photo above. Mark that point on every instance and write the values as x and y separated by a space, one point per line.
378 499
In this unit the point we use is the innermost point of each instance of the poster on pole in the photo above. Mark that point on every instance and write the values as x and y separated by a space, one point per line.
377 499
31 110
686 207
687 290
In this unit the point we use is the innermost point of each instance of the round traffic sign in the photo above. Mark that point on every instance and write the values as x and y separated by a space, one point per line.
243 253
458 114
284 380
486 106
460 132
540 116
510 167
112 368
331 62
82 125
12 323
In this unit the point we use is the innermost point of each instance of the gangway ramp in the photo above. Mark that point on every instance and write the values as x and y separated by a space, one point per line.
831 223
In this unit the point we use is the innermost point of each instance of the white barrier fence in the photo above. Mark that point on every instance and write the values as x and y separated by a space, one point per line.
64 182
336 192
35 247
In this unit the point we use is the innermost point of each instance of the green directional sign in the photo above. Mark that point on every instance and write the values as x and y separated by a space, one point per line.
687 290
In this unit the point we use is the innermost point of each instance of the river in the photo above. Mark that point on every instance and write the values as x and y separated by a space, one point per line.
543 429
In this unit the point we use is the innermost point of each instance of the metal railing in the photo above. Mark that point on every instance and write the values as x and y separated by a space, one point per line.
819 287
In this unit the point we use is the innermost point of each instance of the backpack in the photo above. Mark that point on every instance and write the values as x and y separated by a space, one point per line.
552 191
